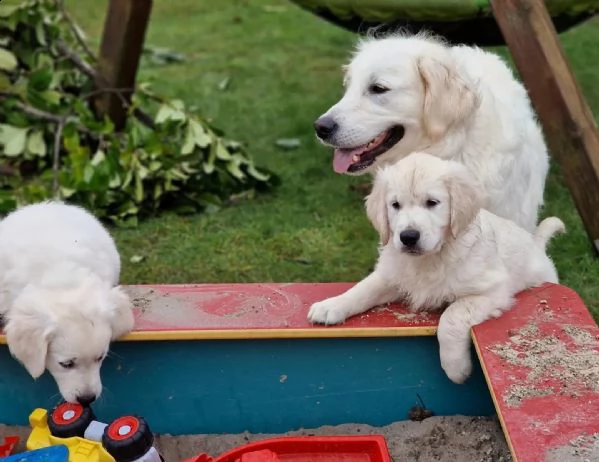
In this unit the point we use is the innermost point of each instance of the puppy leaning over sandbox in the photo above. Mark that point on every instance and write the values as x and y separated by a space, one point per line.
439 248
59 295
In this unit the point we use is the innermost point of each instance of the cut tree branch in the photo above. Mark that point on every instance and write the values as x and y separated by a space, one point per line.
76 31
72 55
56 159
38 114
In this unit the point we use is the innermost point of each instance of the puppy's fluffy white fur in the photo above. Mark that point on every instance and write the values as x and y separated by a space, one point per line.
455 102
466 257
59 294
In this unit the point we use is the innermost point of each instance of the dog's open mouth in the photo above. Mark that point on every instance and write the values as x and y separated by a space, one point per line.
361 157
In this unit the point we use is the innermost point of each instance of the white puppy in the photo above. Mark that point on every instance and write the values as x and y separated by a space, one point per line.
59 295
413 93
440 248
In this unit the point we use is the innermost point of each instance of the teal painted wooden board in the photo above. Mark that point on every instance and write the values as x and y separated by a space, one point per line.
271 386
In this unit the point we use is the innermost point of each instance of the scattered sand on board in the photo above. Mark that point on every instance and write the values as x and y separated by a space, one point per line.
585 448
436 439
548 359
403 316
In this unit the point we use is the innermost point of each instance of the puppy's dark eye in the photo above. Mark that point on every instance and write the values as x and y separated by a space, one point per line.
377 89
70 364
396 205
432 203
99 359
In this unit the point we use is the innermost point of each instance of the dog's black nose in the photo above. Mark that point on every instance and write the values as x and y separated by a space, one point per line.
409 237
325 127
86 400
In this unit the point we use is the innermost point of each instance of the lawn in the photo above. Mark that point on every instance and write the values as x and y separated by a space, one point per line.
284 70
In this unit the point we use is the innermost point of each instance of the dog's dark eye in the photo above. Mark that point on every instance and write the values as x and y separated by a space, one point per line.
70 364
377 89
99 359
432 203
396 205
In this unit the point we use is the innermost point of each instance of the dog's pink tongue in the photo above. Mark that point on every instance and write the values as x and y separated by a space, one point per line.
342 159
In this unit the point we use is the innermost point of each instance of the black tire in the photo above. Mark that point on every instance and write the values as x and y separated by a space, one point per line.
127 438
481 31
69 419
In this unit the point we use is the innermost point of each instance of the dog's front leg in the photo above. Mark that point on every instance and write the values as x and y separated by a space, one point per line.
372 291
454 330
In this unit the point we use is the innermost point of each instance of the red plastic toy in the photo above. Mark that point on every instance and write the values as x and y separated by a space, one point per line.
371 448
9 444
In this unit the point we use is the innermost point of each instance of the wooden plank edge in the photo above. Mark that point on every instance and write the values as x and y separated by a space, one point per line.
504 428
265 334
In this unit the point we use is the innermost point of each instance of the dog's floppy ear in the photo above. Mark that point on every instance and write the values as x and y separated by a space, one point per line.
122 320
376 209
447 97
28 330
465 196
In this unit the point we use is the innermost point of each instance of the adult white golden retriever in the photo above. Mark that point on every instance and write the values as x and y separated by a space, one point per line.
59 295
414 93
438 248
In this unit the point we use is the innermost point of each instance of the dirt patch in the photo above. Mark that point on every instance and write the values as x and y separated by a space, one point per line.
551 361
437 439
585 448
405 316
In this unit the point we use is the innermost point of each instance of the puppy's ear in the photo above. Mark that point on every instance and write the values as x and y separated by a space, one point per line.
465 196
376 209
447 97
29 330
122 320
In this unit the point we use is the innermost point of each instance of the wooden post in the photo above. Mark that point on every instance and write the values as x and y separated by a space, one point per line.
120 51
567 121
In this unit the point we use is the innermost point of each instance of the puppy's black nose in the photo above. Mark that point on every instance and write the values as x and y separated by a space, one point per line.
325 127
86 400
409 237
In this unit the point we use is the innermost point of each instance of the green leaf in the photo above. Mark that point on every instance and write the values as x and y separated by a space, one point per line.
67 192
88 174
222 153
257 174
171 111
51 97
35 143
189 143
139 189
14 139
202 139
224 84
8 61
288 143
195 136
40 33
40 79
7 10
5 83
233 169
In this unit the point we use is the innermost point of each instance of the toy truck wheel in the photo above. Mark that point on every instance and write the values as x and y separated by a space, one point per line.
69 419
127 438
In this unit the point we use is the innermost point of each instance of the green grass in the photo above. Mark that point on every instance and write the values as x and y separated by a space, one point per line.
284 66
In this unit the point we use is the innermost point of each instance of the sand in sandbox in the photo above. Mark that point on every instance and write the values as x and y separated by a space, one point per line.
436 439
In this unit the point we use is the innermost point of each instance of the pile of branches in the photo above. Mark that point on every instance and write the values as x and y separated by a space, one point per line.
53 144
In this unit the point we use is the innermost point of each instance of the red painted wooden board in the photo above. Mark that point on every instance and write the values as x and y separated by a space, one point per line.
541 360
260 308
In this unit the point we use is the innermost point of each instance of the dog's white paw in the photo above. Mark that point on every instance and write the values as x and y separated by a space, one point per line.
458 369
329 311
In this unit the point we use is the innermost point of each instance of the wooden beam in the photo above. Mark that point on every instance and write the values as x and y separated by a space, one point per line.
567 121
120 52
